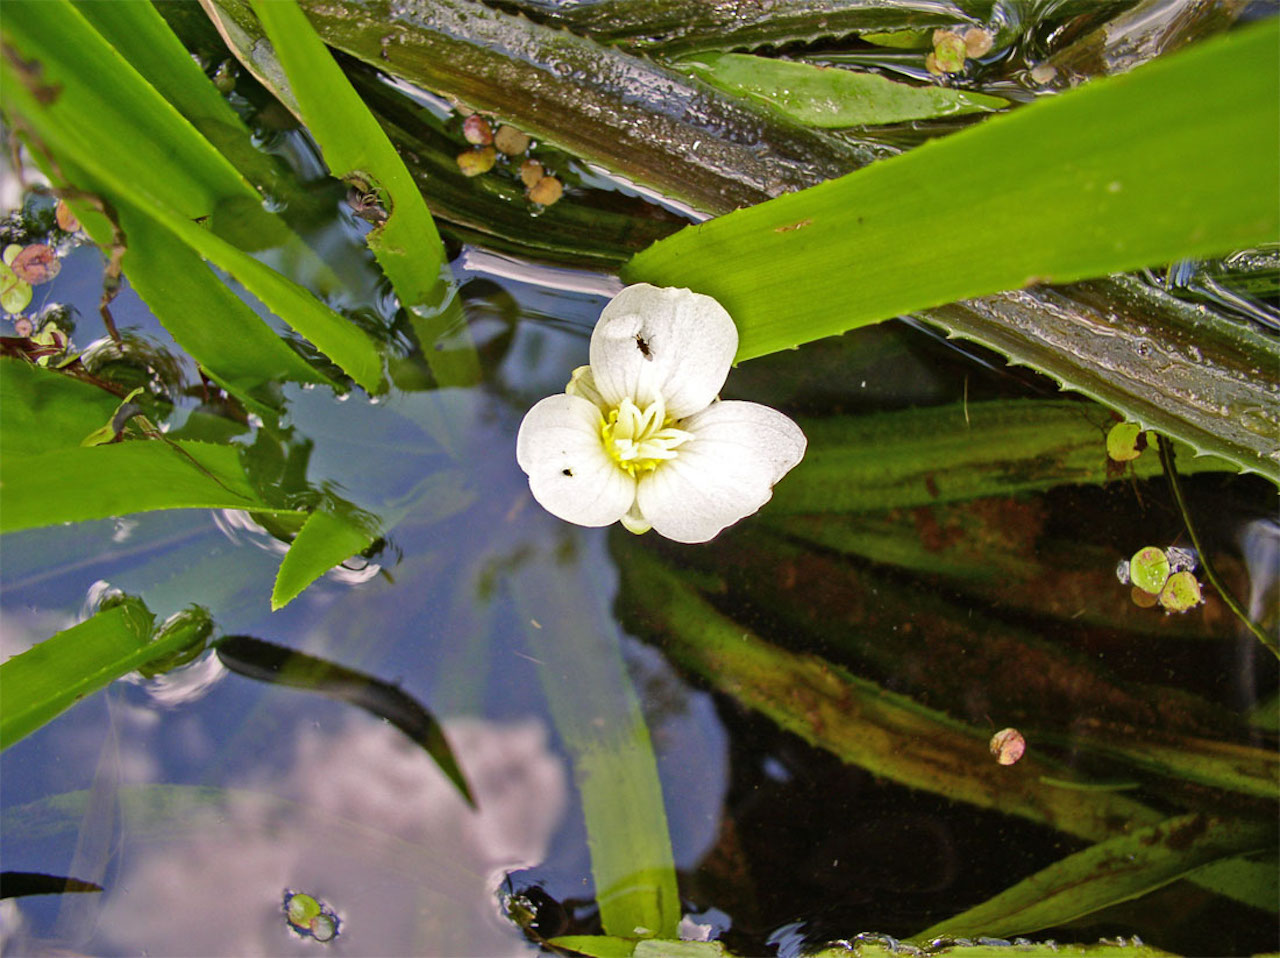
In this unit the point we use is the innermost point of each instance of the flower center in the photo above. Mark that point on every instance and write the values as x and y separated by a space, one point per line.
639 440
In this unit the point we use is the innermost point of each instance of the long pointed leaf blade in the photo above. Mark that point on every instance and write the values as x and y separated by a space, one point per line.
1108 873
1181 157
49 678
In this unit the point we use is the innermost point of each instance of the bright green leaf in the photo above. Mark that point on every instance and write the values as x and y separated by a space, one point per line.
572 633
833 96
324 540
227 338
1180 157
143 37
901 39
97 482
49 678
605 946
41 410
407 246
596 946
96 103
101 117
1108 948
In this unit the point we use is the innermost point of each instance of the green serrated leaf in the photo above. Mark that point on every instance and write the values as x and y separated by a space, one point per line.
145 40
75 484
832 96
62 69
407 246
86 106
41 410
324 540
227 338
46 680
1117 948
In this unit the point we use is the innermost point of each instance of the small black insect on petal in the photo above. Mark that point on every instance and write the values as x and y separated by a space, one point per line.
566 472
643 347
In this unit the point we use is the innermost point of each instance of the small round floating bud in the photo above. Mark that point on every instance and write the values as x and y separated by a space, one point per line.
1181 593
224 78
324 928
300 909
1007 746
546 191
977 41
510 140
1125 442
67 221
476 130
948 51
475 162
1122 571
1044 74
36 264
1149 569
530 172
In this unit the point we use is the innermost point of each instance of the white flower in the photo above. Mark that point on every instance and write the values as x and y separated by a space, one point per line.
639 435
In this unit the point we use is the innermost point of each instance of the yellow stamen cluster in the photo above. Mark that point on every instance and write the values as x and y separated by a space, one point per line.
641 440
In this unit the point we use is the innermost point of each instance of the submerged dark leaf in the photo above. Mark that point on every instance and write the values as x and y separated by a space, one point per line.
18 884
268 662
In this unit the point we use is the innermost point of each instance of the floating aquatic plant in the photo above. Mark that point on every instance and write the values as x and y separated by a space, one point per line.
638 436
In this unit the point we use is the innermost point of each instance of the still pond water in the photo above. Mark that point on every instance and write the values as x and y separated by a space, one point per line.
197 798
